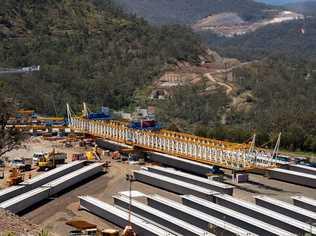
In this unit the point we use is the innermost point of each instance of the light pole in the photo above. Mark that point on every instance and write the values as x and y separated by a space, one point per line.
129 229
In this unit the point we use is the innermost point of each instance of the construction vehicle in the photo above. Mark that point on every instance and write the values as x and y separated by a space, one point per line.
51 160
22 164
15 177
92 155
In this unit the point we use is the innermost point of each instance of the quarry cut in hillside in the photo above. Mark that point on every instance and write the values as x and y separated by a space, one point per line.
230 24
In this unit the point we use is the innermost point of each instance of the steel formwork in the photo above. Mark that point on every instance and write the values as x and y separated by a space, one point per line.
195 217
173 185
119 217
286 209
233 217
160 217
265 215
193 179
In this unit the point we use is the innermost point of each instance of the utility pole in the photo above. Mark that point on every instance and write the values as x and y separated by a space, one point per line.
128 231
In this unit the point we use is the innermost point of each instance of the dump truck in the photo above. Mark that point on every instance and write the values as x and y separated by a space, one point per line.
50 160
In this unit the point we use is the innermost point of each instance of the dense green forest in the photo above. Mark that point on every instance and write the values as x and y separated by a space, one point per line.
285 101
88 51
188 11
92 51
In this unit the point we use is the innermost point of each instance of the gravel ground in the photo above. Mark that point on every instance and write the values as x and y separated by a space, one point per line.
53 215
10 223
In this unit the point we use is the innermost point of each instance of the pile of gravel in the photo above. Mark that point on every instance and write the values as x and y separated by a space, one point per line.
11 223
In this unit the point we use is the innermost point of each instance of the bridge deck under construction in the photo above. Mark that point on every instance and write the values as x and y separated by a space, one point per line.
204 150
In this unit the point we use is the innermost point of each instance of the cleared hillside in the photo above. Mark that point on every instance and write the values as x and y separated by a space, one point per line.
188 11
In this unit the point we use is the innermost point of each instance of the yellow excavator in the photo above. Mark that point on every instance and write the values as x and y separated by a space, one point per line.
92 155
15 177
50 160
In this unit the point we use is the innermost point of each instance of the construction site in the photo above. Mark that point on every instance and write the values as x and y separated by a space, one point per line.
90 174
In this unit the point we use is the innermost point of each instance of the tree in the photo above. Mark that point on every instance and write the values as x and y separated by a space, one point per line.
10 138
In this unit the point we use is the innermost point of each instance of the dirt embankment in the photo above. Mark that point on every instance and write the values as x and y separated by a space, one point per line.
11 223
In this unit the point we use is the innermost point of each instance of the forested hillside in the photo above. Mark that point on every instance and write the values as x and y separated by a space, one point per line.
188 11
284 100
88 51
281 39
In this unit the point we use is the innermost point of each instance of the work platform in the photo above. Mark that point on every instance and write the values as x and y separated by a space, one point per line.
238 157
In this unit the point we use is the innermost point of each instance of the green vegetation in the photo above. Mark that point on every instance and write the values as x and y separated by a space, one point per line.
188 11
284 39
285 95
88 51
91 51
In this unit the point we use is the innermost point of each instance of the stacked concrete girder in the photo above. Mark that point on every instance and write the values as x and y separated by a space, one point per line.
52 174
73 178
305 202
293 177
303 169
195 217
119 217
286 209
263 214
160 217
25 200
180 163
34 196
13 191
173 185
193 179
10 192
233 217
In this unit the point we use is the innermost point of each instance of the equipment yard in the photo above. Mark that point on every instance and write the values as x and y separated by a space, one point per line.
52 214
113 175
